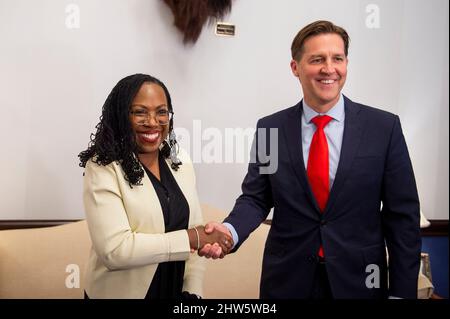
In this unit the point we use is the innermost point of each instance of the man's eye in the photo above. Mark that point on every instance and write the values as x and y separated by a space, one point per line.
316 61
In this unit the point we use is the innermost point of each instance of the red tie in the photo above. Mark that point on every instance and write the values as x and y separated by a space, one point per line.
318 167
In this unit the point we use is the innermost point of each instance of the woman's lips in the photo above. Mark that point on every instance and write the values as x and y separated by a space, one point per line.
149 137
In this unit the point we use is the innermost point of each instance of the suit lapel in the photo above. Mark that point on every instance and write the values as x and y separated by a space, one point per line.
350 144
293 136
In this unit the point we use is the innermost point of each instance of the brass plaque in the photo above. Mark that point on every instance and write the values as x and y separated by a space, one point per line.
225 29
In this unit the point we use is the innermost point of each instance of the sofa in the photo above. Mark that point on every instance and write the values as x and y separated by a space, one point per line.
49 262
36 262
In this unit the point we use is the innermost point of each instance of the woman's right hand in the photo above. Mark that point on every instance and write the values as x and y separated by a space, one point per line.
224 240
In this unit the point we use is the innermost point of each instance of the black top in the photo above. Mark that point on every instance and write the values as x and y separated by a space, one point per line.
168 279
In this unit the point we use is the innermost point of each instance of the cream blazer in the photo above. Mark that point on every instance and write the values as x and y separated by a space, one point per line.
126 226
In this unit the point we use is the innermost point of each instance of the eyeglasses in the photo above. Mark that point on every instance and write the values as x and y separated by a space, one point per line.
140 116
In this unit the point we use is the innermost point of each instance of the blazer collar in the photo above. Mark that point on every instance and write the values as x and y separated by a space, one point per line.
354 123
293 136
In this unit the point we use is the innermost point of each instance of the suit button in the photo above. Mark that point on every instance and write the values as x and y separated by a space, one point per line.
323 223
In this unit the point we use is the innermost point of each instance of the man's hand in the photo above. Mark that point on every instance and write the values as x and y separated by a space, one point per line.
215 250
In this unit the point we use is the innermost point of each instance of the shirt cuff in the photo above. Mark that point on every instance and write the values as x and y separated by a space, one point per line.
233 234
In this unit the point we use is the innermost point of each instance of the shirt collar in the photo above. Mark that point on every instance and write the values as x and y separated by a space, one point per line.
336 112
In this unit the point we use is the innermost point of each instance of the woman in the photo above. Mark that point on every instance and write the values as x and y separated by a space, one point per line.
140 200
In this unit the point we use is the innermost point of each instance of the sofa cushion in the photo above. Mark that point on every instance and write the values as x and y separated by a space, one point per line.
44 262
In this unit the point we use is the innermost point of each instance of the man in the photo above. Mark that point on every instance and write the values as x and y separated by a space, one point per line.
338 161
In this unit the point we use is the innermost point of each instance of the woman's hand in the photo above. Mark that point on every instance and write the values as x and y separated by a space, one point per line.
216 237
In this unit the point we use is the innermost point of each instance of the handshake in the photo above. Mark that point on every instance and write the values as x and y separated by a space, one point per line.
213 240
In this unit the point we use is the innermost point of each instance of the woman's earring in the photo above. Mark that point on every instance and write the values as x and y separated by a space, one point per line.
173 148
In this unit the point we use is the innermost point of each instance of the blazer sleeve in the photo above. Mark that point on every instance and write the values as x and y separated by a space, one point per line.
195 265
401 217
254 204
115 243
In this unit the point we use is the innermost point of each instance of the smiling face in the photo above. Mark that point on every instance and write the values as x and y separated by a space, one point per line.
149 133
322 70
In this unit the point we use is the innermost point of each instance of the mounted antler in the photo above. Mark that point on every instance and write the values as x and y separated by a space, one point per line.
191 15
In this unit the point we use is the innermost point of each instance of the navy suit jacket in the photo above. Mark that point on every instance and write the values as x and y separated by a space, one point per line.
374 168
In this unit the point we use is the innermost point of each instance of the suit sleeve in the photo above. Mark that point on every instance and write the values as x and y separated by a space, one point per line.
401 217
115 243
254 204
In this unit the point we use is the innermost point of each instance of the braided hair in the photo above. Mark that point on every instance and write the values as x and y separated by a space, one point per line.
114 140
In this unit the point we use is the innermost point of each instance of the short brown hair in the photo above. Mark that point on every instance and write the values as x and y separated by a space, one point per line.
316 28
